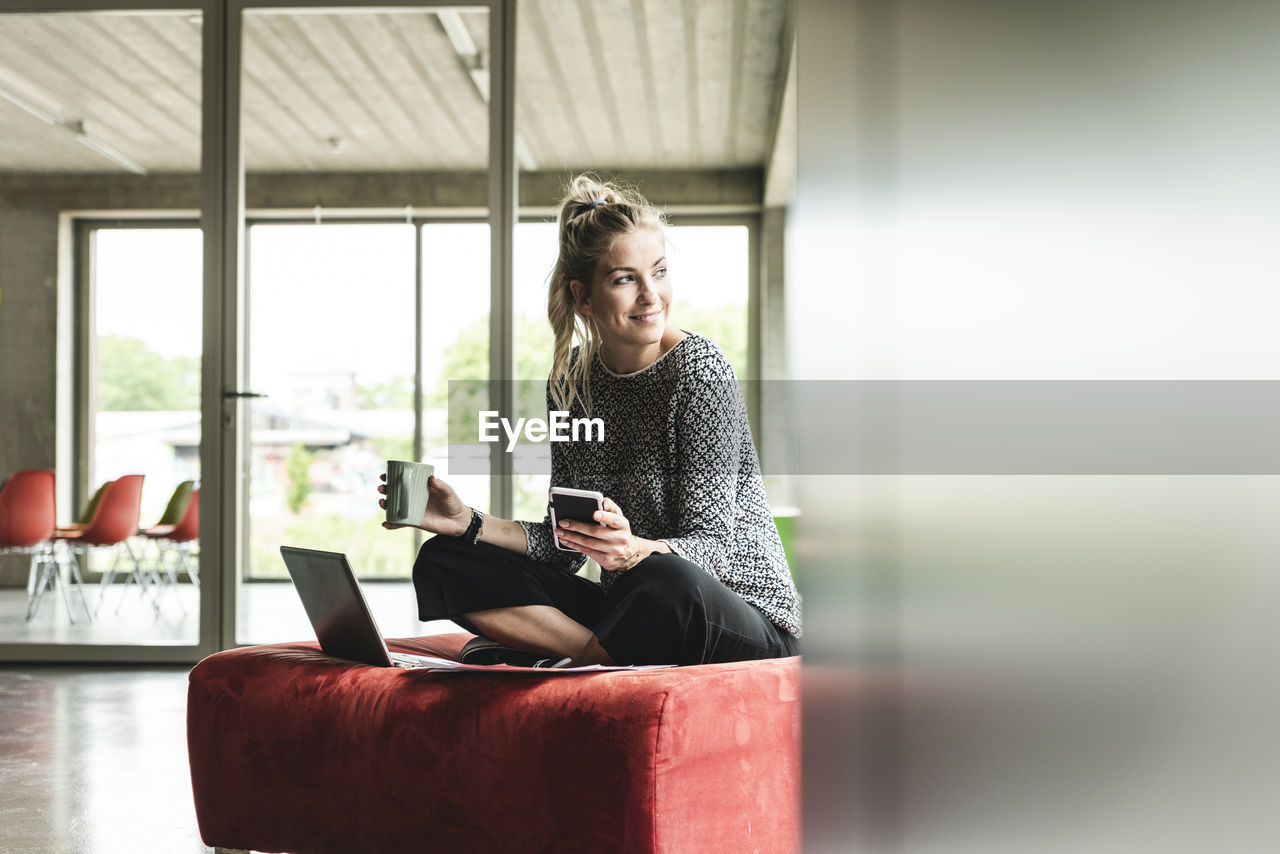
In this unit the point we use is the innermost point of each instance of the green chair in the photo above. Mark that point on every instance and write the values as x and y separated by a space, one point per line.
86 516
174 509
156 569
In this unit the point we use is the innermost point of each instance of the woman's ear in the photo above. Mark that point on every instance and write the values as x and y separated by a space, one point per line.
580 294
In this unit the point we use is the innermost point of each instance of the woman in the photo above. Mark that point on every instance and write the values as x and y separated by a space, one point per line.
692 567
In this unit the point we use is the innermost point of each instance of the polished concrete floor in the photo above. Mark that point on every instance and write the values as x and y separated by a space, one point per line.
268 612
93 760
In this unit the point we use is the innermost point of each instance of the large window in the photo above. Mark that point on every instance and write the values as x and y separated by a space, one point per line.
332 349
335 351
144 359
343 121
101 378
141 353
455 338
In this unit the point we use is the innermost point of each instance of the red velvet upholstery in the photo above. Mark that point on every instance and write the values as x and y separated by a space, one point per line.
294 751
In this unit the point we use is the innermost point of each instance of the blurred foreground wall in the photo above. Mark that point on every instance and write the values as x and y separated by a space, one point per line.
1009 190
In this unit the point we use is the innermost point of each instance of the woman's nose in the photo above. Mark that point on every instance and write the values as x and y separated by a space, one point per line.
647 290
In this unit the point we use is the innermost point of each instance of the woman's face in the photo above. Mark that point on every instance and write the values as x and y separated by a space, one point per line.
630 294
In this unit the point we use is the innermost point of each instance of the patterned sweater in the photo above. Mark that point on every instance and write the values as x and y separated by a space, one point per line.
679 460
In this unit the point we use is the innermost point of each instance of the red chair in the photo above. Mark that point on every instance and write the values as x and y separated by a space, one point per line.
115 519
27 523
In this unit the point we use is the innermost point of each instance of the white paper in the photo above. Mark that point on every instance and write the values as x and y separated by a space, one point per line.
428 662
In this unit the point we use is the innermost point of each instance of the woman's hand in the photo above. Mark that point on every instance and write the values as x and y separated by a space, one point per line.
611 543
446 514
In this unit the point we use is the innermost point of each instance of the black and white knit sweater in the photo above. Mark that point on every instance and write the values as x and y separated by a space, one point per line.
679 460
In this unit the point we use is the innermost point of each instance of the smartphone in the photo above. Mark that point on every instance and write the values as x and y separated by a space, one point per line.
577 504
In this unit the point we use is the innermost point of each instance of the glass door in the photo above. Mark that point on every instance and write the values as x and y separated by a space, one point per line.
365 149
331 348
141 334
101 118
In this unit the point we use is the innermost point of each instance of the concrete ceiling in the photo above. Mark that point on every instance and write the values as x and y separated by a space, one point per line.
618 84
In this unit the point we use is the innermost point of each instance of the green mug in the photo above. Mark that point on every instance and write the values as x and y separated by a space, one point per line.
407 491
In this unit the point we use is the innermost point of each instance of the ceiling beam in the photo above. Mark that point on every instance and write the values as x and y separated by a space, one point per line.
690 189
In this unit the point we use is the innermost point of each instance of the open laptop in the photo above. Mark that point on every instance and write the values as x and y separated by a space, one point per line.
345 628
339 613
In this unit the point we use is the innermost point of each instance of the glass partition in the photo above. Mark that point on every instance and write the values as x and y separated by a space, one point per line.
100 125
348 277
454 338
331 349
365 141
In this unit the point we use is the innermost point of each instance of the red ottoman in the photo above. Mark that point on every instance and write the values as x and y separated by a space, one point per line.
295 751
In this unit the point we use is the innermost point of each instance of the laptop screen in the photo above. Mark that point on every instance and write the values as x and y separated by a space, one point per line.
336 607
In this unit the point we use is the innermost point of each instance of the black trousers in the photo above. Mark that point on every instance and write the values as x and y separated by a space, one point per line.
664 610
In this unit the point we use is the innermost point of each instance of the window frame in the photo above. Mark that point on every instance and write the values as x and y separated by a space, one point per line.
83 375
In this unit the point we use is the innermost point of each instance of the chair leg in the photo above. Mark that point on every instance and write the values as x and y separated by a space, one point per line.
170 573
33 573
192 564
79 582
134 577
62 585
145 575
45 567
104 585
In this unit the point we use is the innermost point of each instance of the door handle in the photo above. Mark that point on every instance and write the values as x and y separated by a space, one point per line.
231 395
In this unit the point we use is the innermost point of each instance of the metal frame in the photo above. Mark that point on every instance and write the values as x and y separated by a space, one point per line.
228 455
18 7
82 382
89 652
503 200
222 215
84 229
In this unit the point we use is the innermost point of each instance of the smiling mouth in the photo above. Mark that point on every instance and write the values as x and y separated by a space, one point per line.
653 315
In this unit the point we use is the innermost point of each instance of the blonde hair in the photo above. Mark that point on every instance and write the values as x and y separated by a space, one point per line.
593 214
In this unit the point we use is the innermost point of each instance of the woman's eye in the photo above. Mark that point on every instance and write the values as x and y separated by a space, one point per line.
624 280
661 272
